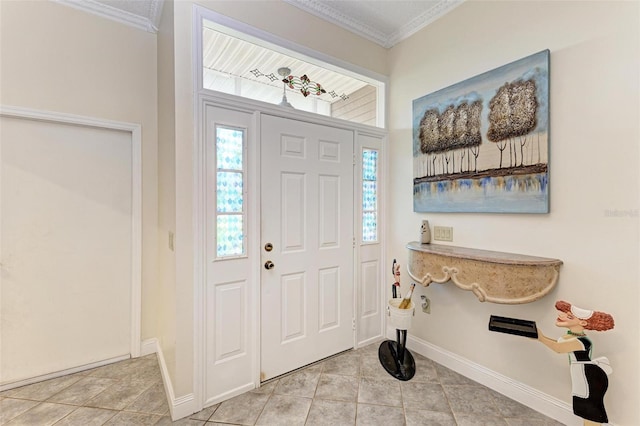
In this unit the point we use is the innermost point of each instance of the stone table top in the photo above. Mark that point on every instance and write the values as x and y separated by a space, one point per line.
482 255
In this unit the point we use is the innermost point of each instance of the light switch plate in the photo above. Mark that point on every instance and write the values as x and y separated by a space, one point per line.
443 233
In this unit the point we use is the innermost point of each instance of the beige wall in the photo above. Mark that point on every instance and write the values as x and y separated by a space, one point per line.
594 104
184 144
60 59
166 308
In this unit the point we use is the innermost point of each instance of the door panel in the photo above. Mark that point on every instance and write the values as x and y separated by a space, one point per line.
369 295
229 319
329 300
66 227
293 211
307 214
329 211
293 307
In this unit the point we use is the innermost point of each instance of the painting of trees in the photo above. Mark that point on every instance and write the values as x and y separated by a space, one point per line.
512 116
474 137
429 137
482 144
455 130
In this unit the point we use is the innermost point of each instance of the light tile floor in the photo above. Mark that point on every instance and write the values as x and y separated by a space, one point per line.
349 389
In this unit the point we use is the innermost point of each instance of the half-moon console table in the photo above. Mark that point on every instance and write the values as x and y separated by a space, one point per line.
492 276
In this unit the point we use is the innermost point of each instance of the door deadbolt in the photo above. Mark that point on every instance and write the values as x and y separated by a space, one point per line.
268 265
268 247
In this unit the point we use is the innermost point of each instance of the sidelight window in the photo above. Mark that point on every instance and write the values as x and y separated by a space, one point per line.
230 192
369 195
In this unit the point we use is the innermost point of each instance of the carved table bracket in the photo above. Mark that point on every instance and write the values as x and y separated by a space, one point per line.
492 276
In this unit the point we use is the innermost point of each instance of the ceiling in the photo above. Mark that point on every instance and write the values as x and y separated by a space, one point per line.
385 22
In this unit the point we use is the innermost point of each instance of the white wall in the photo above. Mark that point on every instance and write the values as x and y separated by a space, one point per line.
594 162
60 59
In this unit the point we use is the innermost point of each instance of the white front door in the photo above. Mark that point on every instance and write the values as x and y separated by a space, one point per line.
307 217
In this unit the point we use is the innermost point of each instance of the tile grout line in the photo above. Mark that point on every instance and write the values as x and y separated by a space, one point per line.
446 395
146 386
146 378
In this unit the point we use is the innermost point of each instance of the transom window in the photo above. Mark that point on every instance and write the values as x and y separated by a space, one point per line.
244 65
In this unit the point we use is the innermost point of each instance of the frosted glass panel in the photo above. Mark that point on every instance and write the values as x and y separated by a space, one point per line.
369 227
369 195
229 235
229 148
369 164
229 196
229 192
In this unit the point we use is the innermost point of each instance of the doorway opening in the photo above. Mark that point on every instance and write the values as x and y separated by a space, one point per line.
296 187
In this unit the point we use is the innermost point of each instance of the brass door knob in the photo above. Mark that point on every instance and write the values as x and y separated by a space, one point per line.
268 265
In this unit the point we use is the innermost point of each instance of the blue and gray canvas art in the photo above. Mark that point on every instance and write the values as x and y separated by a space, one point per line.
482 145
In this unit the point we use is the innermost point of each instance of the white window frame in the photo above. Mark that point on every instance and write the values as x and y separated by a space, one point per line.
244 192
377 206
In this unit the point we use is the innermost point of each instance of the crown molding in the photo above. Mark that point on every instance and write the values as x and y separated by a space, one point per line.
119 15
328 13
155 13
322 10
422 20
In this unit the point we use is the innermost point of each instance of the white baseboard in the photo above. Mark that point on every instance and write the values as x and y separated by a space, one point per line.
56 374
524 394
227 395
148 347
369 341
179 407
